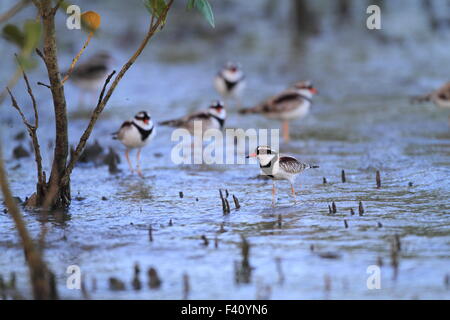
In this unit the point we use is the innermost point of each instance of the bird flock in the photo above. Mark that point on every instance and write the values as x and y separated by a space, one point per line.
293 103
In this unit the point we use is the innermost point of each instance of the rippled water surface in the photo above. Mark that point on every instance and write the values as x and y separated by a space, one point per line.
361 122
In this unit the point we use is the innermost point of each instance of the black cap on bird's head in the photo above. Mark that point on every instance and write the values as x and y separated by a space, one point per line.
143 116
217 109
306 85
232 66
218 105
262 150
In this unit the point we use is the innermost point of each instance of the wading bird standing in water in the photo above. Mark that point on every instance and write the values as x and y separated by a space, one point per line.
212 118
135 134
230 82
292 103
91 75
278 167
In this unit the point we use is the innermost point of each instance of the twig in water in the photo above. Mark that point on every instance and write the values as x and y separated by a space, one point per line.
150 233
225 203
244 271
205 240
397 242
181 194
236 202
84 291
394 259
116 284
333 206
361 208
280 221
352 212
345 224
324 180
343 176
136 283
186 286
154 282
327 283
216 242
378 179
279 270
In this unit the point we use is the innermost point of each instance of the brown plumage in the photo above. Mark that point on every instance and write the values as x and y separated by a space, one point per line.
292 103
440 97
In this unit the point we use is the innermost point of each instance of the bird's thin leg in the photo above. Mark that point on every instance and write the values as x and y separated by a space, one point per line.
286 130
274 192
138 163
293 193
238 103
128 160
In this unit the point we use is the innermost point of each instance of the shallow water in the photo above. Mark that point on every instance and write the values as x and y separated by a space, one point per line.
361 122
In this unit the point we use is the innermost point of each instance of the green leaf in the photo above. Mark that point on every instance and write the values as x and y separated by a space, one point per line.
33 31
190 4
155 7
13 34
27 62
204 8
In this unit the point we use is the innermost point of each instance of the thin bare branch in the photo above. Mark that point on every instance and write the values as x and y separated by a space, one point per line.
43 84
16 106
104 100
40 54
34 139
30 93
75 60
87 132
55 8
13 11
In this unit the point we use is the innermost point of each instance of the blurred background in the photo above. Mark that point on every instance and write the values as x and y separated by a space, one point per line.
362 121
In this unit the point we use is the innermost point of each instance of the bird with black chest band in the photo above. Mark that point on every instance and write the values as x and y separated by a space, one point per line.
230 82
292 103
136 134
279 167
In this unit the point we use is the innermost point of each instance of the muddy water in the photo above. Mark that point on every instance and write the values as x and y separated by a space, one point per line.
361 122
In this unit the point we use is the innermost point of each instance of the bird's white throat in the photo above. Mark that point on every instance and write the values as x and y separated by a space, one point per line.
264 159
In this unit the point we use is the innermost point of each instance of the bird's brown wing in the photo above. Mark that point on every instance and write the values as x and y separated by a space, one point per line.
285 101
443 92
292 165
200 115
123 128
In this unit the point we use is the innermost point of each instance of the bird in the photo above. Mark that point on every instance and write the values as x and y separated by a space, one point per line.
230 81
279 167
292 103
440 97
135 134
91 75
212 118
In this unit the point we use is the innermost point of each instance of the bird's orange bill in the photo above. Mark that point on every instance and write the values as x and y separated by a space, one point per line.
253 155
313 90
